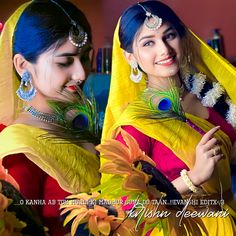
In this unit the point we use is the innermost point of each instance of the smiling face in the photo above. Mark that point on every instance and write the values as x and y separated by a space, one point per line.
58 69
157 52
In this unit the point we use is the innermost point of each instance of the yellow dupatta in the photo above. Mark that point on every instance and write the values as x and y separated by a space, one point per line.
74 168
10 104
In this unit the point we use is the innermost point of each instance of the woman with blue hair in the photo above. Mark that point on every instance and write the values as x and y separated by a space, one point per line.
45 49
175 96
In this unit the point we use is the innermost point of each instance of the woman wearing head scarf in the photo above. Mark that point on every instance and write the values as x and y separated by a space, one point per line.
44 54
175 96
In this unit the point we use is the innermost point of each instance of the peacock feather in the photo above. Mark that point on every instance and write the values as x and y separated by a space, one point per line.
78 118
156 103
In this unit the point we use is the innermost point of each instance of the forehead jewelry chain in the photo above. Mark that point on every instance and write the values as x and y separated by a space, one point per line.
152 22
77 36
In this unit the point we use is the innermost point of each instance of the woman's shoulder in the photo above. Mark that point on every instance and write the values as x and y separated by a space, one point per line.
62 160
21 132
30 140
17 138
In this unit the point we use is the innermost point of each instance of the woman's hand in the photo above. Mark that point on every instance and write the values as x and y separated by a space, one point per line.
208 153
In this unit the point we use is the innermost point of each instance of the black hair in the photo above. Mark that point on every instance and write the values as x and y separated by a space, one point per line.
133 18
43 24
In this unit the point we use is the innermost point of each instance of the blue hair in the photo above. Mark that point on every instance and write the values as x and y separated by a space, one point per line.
133 18
43 24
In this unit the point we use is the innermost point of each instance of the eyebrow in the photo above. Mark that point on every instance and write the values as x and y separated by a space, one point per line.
153 35
67 54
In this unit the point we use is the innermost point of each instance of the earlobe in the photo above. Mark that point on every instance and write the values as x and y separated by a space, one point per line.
129 57
20 63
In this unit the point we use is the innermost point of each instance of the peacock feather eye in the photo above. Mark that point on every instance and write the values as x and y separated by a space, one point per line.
80 121
165 104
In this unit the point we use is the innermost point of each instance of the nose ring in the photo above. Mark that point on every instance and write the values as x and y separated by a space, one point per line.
79 82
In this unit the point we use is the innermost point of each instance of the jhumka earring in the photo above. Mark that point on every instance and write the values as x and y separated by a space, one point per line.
185 66
152 22
23 94
135 74
77 36
185 62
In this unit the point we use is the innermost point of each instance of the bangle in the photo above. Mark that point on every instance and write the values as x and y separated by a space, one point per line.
188 181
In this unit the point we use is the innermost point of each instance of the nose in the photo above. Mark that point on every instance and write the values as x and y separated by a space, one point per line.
78 73
164 48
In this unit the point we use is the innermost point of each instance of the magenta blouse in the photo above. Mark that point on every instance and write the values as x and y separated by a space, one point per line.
167 162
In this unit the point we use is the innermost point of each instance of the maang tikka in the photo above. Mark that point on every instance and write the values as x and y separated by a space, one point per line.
152 22
77 36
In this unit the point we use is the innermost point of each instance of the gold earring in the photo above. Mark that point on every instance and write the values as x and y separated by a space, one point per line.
185 62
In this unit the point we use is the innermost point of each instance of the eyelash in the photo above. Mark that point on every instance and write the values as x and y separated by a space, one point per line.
66 64
148 44
63 65
84 57
170 36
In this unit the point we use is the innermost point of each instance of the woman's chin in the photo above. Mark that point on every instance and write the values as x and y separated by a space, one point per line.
171 71
170 74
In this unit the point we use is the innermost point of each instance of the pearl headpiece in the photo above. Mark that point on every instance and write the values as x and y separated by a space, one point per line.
152 22
77 36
